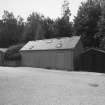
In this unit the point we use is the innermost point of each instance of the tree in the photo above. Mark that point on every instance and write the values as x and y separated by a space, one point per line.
20 27
33 27
10 33
13 52
63 25
100 35
85 23
66 11
64 28
49 28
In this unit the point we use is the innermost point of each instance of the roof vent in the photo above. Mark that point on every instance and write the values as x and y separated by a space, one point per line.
49 41
59 45
31 47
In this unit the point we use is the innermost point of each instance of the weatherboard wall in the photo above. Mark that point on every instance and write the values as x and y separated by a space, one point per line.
51 59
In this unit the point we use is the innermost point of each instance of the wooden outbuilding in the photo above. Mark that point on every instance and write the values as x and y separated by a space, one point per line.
53 53
92 60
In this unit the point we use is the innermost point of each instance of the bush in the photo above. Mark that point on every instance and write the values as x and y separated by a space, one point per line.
13 52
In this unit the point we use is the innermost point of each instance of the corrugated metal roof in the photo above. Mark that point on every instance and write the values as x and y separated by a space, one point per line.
49 44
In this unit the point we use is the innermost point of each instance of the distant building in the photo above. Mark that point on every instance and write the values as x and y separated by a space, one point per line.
92 60
53 53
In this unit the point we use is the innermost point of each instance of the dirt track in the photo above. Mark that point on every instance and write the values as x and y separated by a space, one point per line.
32 86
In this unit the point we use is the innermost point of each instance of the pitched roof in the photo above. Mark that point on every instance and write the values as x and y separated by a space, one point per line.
52 44
94 49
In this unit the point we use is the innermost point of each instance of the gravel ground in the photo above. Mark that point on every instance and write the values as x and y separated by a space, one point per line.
34 86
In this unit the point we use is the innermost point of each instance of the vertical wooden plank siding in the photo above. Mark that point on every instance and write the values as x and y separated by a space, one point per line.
51 59
43 59
68 60
26 59
60 60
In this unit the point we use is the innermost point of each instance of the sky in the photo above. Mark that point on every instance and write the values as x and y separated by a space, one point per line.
49 8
